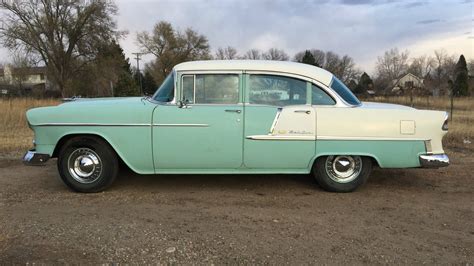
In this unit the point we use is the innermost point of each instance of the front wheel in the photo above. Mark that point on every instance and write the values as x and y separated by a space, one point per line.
87 164
342 173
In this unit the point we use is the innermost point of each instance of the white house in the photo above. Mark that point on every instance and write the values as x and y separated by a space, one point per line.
406 82
22 78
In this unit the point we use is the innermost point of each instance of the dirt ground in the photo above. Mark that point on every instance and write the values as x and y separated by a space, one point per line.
399 216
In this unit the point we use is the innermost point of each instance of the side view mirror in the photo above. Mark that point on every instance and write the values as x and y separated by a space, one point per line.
183 104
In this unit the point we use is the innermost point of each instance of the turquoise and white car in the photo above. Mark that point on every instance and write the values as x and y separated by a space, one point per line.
237 117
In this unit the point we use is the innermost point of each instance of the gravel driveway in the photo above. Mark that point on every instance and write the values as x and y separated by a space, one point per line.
399 216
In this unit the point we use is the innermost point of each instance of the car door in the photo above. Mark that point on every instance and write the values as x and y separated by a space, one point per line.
205 131
280 123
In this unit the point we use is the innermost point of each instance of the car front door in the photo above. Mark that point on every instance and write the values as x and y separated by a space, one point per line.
204 129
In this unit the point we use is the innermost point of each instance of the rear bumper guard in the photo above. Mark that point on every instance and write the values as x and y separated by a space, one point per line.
33 158
434 160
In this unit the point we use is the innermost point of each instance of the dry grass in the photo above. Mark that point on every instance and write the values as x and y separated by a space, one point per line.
16 137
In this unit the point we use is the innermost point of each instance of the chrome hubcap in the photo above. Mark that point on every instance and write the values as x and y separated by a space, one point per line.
343 168
84 165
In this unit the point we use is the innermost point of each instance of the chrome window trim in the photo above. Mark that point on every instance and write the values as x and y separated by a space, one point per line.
194 73
342 99
339 101
173 101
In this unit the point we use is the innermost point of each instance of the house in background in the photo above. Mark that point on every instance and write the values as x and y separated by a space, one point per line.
20 81
408 84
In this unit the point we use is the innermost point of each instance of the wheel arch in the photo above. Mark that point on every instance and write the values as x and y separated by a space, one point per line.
375 160
65 138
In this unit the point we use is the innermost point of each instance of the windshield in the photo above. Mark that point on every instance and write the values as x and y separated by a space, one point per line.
165 92
344 92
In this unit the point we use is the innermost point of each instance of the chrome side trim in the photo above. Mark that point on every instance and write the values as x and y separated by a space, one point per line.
92 125
33 158
280 137
275 120
180 125
313 138
434 160
365 138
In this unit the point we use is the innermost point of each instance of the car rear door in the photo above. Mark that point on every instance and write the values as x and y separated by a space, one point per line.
280 123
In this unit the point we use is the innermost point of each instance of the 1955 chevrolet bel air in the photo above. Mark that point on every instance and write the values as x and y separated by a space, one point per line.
237 117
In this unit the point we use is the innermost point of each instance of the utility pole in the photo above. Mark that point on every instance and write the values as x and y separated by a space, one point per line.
138 58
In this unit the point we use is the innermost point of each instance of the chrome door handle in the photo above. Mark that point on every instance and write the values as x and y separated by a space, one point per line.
303 111
233 111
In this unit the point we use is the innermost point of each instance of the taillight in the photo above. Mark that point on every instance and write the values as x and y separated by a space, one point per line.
445 124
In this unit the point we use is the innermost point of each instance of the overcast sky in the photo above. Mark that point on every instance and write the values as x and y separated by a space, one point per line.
363 29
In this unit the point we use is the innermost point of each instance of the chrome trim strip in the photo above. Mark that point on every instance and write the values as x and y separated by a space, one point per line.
92 125
275 120
299 137
365 138
280 137
180 125
434 160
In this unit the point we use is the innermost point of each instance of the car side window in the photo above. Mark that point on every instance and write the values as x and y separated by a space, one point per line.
276 90
211 88
320 97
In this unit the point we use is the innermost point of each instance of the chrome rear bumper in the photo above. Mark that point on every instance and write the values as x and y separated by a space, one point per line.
434 160
31 157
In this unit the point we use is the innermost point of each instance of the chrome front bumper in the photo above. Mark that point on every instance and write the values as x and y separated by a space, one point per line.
33 158
434 160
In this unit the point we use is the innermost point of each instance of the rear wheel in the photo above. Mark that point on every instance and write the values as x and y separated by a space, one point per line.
87 164
342 173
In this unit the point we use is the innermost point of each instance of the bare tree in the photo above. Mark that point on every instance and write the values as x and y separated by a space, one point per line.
392 65
172 47
470 67
20 70
343 67
421 66
253 54
275 54
444 65
227 53
63 34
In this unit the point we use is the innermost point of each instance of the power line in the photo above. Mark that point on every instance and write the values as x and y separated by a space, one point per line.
138 58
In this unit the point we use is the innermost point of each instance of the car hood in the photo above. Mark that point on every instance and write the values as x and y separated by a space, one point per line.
97 110
101 101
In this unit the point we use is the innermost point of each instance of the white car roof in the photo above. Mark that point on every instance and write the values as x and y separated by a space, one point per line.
310 71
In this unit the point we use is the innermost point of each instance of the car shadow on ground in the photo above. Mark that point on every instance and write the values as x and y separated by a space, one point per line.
389 178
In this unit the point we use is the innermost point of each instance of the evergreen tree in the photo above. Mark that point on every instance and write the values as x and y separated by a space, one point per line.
308 58
149 84
365 83
352 85
460 86
126 85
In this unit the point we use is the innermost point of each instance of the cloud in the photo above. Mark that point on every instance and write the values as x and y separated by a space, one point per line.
428 21
363 29
414 4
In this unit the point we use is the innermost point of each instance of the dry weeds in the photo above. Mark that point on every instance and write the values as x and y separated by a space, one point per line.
16 137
